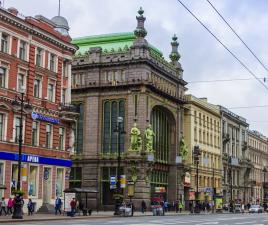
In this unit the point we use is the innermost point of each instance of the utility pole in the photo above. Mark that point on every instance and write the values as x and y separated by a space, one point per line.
213 186
197 153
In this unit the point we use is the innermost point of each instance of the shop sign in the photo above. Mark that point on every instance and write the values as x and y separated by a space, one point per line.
208 190
36 159
191 196
130 189
187 178
123 181
38 116
112 182
160 190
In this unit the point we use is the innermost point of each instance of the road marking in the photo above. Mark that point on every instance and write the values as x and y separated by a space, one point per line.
207 223
246 222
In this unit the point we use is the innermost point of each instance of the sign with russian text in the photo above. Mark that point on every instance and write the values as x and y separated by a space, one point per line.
38 116
112 182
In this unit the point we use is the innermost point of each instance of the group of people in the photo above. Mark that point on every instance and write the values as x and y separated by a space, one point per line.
7 207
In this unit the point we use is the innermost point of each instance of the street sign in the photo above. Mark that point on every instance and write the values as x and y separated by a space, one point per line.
122 181
112 182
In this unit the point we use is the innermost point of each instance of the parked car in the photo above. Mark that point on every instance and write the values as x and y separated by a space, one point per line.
255 209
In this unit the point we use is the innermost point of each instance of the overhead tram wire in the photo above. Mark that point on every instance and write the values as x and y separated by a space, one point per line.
226 48
225 80
233 30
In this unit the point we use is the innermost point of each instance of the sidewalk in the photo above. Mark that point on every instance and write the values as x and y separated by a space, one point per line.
95 215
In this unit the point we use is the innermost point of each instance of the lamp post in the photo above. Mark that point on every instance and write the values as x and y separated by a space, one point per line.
197 153
20 103
264 173
119 130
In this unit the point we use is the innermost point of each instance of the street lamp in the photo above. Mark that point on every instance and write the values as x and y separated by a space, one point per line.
197 153
264 173
119 130
20 103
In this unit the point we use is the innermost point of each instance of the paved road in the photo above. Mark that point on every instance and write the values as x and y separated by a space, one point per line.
226 219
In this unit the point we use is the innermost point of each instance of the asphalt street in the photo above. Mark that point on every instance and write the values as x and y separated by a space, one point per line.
218 219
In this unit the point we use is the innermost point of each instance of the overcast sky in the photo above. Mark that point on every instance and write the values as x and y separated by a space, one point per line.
202 57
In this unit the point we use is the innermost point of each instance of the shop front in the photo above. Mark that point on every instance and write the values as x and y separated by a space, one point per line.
42 178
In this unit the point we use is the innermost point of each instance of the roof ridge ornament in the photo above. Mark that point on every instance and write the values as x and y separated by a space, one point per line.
140 31
175 55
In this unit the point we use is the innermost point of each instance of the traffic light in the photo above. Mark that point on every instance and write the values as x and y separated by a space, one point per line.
196 153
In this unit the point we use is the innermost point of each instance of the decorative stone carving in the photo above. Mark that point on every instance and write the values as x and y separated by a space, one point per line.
135 139
183 151
149 136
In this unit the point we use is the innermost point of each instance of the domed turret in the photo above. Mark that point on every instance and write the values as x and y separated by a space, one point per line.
61 25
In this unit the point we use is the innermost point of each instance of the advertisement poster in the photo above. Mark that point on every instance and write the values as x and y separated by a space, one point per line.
68 197
218 202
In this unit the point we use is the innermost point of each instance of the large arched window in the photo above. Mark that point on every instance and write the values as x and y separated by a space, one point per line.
162 122
112 109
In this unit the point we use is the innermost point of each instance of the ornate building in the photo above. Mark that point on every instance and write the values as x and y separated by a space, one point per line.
236 166
123 75
35 64
256 188
202 128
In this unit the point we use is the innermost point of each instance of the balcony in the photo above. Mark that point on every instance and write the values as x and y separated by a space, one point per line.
69 112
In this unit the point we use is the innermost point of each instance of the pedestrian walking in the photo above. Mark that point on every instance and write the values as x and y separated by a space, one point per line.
73 207
243 208
58 204
10 205
143 206
30 207
3 206
180 206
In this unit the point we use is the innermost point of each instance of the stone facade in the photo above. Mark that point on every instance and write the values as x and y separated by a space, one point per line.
236 166
26 65
202 128
125 70
255 188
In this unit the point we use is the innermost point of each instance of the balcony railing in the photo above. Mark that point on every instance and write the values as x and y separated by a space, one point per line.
69 108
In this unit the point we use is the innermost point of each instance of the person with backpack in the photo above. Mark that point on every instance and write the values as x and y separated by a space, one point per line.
30 207
58 204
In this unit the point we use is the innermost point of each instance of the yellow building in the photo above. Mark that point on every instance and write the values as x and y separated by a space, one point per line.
202 128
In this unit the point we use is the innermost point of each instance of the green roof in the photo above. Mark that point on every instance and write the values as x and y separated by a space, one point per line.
108 42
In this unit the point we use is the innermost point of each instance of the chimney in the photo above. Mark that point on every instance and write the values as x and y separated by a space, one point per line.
13 11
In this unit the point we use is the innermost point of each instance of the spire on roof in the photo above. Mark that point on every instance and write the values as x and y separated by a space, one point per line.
59 9
174 55
140 31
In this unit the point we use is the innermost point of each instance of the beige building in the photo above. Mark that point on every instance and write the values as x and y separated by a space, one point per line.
258 156
202 128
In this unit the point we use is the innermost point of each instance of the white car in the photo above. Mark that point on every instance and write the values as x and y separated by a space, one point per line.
255 209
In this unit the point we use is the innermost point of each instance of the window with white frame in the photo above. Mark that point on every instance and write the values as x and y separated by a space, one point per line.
4 42
61 138
63 96
17 129
50 92
65 68
52 62
35 129
14 177
21 82
59 182
32 182
39 56
3 77
48 136
37 88
23 50
1 178
2 126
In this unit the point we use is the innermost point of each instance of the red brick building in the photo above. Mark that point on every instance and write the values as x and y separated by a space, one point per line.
35 58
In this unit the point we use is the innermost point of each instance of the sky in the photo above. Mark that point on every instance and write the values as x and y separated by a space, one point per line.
202 57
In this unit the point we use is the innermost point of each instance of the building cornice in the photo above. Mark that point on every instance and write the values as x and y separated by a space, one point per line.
31 29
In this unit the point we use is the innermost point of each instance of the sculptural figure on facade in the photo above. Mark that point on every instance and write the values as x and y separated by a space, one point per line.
135 138
183 149
72 140
149 137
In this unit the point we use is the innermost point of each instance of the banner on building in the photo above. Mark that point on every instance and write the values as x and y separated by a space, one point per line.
191 196
24 172
122 181
187 179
